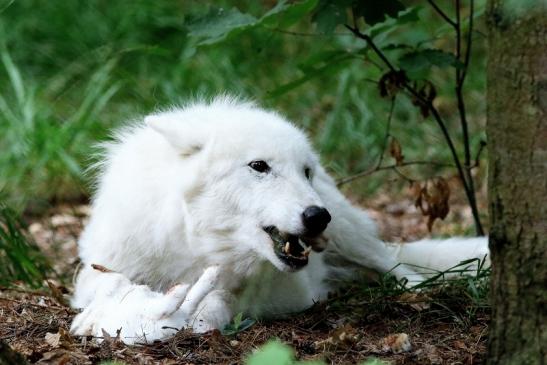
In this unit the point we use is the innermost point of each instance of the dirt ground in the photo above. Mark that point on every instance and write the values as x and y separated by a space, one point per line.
350 327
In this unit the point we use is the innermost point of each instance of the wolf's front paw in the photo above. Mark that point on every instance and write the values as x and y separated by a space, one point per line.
140 314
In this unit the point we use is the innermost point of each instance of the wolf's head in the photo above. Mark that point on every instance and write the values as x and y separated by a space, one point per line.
252 184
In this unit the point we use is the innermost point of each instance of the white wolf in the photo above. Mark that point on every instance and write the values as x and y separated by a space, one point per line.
230 198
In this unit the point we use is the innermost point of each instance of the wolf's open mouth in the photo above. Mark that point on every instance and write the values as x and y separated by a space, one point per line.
289 248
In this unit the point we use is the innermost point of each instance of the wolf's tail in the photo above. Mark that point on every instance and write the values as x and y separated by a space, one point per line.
430 256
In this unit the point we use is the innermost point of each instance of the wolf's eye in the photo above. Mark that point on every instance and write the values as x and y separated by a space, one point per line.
307 172
259 166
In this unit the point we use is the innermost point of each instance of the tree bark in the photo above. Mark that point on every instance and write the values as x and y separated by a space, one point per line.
517 143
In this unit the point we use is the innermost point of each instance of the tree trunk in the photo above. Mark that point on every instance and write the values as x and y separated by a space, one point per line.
517 143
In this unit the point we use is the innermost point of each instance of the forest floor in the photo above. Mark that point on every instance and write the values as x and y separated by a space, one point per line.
442 324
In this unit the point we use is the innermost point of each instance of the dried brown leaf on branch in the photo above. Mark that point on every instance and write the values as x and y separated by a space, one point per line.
391 83
396 151
424 97
432 199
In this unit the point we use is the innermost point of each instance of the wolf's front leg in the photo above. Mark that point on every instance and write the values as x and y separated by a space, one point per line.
141 315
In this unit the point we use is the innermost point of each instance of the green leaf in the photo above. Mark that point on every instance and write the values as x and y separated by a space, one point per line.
376 11
237 325
284 15
395 46
329 14
319 58
217 24
237 319
272 353
409 15
312 72
417 63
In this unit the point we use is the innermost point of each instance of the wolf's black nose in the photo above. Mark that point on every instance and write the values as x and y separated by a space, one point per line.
315 220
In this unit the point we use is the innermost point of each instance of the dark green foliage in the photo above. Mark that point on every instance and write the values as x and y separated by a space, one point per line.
376 11
87 67
331 13
20 258
417 64
218 24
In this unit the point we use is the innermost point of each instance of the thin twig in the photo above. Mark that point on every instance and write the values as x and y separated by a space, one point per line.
458 31
387 134
371 44
441 13
478 155
467 57
359 175
403 176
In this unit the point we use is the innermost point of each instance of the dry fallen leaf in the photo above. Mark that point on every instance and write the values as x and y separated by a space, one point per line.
396 343
57 293
416 301
53 339
432 354
342 336
59 339
459 345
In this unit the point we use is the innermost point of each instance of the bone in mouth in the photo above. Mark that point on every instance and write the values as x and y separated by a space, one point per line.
294 247
289 245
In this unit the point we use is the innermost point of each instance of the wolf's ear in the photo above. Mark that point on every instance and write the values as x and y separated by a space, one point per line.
187 136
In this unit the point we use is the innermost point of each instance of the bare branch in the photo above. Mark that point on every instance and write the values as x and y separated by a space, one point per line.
393 167
386 136
467 57
464 173
478 155
371 44
441 13
460 79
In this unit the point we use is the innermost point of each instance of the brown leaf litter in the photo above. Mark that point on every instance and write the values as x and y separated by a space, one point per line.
406 329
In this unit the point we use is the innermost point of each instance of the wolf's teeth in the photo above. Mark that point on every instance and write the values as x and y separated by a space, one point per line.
306 251
287 247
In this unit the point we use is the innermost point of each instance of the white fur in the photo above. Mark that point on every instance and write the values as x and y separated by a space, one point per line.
176 196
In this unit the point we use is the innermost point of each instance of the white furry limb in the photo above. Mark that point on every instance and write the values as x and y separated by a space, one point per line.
140 314
430 256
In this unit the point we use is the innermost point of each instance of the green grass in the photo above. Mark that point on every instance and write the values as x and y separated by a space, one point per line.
72 71
461 292
20 258
43 152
